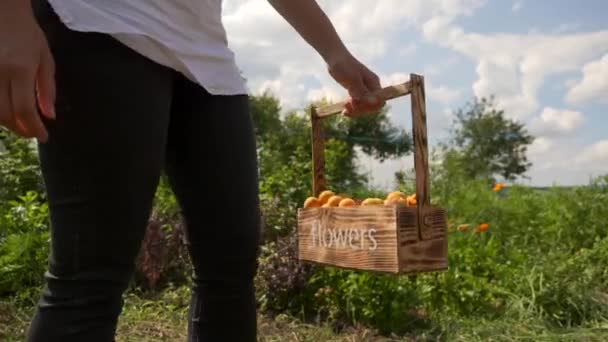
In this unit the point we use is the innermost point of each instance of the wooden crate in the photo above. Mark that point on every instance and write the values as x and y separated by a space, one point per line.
394 239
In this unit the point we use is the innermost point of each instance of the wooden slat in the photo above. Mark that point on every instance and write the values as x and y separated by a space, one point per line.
424 256
386 93
430 253
421 166
420 140
435 223
407 240
318 153
351 251
399 250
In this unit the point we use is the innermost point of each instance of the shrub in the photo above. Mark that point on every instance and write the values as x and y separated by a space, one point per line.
24 244
19 168
282 281
163 259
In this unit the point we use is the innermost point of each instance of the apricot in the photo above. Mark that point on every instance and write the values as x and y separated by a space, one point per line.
395 194
334 201
411 200
325 196
395 200
312 202
372 201
326 205
347 202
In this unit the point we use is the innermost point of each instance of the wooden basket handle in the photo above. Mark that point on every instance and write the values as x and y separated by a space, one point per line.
415 87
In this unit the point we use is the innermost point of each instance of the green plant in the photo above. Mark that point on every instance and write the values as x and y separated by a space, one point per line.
24 243
19 167
282 280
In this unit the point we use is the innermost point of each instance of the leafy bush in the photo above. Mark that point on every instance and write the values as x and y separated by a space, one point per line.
282 282
542 257
19 169
24 244
163 258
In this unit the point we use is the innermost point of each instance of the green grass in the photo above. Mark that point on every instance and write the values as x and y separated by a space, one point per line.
162 317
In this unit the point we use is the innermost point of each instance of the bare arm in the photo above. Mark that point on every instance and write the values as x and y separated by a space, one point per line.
307 18
313 25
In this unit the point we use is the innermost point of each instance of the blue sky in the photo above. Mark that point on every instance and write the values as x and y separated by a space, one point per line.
546 62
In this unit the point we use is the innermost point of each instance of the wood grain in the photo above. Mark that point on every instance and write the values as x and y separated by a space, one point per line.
386 93
399 250
421 166
318 153
420 140
382 219
427 254
407 240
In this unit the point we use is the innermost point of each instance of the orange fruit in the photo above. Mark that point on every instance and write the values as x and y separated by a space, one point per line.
411 200
395 194
325 195
347 202
312 202
395 200
372 201
333 201
326 205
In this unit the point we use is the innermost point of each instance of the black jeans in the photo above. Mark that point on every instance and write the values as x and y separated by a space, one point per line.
122 120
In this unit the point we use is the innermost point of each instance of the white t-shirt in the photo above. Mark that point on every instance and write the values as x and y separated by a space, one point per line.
186 35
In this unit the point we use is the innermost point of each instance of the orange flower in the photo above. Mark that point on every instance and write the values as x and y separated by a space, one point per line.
482 227
463 227
498 187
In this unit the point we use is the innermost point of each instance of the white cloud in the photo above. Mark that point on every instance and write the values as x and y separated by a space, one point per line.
514 66
593 85
595 156
556 121
331 94
517 5
437 68
394 78
445 95
564 162
540 145
274 57
408 50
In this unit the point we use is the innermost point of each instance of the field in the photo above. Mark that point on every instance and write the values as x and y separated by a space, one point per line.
537 273
525 264
151 318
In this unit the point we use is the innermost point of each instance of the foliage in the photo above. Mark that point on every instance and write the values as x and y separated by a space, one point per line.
485 143
19 167
163 258
24 237
538 271
282 280
24 242
285 156
542 258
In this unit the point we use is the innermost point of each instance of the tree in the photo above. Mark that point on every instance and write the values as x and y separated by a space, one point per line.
285 143
285 155
485 144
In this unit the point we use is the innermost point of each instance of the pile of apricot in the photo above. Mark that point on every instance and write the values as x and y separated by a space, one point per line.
330 199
